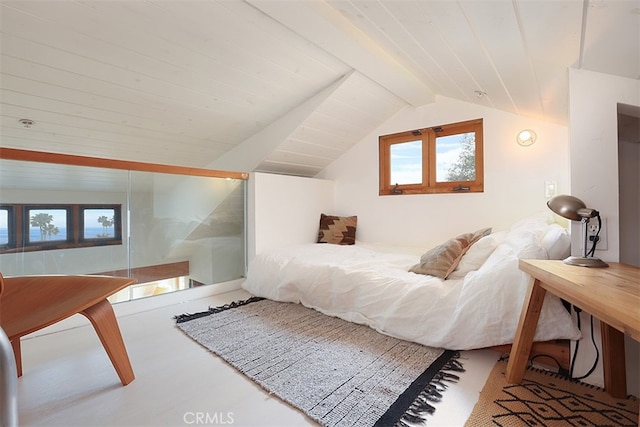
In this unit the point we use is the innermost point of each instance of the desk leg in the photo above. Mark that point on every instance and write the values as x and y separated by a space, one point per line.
524 335
613 361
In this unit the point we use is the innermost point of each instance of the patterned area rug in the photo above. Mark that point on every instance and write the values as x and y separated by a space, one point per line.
338 373
547 399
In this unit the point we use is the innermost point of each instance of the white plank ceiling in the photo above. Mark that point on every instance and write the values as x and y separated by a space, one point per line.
188 82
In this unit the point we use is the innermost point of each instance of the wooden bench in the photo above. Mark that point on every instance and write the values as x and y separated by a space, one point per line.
30 303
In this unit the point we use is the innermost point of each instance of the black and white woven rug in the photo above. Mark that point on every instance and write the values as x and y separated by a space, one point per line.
338 373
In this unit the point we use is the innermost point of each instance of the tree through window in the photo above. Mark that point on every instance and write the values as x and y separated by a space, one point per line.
100 222
464 166
47 225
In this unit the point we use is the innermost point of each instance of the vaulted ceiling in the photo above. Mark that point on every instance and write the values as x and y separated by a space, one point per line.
285 86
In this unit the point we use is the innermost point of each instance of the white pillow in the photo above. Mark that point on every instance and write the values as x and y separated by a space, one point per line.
557 242
478 254
537 223
535 237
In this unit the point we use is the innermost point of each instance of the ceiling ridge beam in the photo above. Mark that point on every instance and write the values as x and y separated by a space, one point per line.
491 61
527 52
322 25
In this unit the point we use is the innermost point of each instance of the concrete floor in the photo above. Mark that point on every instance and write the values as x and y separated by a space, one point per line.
69 381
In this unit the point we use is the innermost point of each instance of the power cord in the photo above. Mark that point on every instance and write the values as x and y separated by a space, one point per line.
575 353
569 374
561 371
595 238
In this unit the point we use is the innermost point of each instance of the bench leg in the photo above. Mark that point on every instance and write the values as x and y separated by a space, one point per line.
104 321
525 333
613 361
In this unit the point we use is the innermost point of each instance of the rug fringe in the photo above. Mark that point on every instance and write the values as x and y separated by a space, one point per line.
213 310
418 411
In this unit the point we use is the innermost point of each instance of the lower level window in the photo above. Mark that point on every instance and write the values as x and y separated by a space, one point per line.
31 227
99 223
6 218
46 225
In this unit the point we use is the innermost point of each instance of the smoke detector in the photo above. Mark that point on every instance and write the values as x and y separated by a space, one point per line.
27 123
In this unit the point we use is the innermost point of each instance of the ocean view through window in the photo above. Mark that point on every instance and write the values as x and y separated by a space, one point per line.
4 226
44 227
100 223
45 224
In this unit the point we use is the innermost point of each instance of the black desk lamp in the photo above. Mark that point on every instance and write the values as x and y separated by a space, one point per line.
574 209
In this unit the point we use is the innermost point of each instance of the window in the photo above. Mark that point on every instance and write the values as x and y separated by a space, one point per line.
25 228
100 223
7 232
46 225
440 159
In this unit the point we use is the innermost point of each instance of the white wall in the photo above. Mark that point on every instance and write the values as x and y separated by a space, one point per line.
593 100
514 178
629 173
285 210
593 120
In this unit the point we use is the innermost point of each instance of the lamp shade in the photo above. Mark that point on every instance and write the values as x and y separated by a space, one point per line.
574 209
567 206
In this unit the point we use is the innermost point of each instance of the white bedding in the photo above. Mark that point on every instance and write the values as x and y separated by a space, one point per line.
478 306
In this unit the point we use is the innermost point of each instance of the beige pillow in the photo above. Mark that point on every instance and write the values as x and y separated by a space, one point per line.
442 260
338 230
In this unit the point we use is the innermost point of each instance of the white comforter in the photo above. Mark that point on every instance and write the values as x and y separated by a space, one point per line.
478 307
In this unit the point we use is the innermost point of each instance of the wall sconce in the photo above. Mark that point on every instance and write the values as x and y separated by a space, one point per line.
526 137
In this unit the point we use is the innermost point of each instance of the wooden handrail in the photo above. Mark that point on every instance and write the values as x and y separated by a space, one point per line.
68 159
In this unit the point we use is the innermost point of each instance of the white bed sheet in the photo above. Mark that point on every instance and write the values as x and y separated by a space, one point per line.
478 307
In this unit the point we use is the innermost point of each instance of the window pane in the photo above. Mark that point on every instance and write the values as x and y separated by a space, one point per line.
406 162
99 223
47 225
456 157
4 226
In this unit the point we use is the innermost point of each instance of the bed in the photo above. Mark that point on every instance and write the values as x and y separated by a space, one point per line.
476 305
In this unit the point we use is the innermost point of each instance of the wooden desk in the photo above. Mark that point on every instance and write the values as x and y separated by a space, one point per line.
610 294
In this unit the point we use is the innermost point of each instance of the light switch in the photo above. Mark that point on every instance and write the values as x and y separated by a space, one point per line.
550 189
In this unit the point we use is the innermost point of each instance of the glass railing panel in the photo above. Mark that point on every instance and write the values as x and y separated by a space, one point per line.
194 225
170 231
43 227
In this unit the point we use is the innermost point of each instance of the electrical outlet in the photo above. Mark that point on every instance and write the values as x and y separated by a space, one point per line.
592 230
